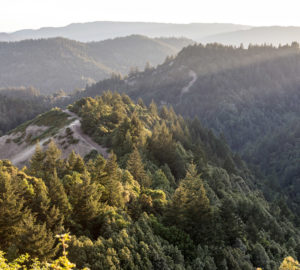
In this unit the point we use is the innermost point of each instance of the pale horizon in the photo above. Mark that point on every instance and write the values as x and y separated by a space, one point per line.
33 14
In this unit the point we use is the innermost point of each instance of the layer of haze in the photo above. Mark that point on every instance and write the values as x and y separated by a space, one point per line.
24 14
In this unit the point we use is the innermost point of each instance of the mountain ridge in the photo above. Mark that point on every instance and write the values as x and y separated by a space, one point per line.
96 31
274 35
59 63
169 187
243 95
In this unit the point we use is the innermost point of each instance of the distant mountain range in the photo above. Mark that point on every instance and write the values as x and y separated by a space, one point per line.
59 63
232 34
270 35
97 31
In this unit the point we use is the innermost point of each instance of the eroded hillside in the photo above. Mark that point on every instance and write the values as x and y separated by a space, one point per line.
62 127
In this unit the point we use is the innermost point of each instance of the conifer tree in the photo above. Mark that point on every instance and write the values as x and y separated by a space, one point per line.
190 208
160 180
36 162
164 113
162 146
55 220
232 225
136 167
112 182
71 160
136 129
153 108
11 210
79 165
36 239
52 156
39 201
97 169
58 195
85 199
141 103
229 165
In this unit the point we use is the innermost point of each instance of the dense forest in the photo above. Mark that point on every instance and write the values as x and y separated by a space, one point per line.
171 195
54 64
18 105
250 96
275 35
234 87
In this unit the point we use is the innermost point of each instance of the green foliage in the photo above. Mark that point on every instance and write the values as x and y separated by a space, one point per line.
25 262
36 239
190 209
11 208
136 167
20 105
58 63
170 195
249 96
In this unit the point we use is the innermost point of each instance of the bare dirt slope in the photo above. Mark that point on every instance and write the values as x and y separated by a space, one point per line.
19 150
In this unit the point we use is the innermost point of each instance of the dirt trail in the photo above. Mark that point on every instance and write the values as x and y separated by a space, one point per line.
194 77
26 154
20 154
79 134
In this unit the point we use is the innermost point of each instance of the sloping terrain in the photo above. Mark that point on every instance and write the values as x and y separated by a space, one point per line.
18 105
228 34
249 96
170 195
97 31
63 127
222 85
274 35
54 64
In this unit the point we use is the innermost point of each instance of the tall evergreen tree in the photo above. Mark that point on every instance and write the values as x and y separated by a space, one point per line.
36 162
190 207
112 182
11 210
136 167
153 108
58 195
36 239
85 198
52 156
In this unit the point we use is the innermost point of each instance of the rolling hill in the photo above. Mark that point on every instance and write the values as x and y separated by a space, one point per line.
217 83
97 31
227 34
18 105
249 96
53 64
275 35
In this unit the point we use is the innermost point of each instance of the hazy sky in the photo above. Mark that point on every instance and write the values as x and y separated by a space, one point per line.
20 14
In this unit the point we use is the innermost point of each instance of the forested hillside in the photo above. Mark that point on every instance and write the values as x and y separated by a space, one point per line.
275 35
232 88
18 105
170 196
54 64
250 96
